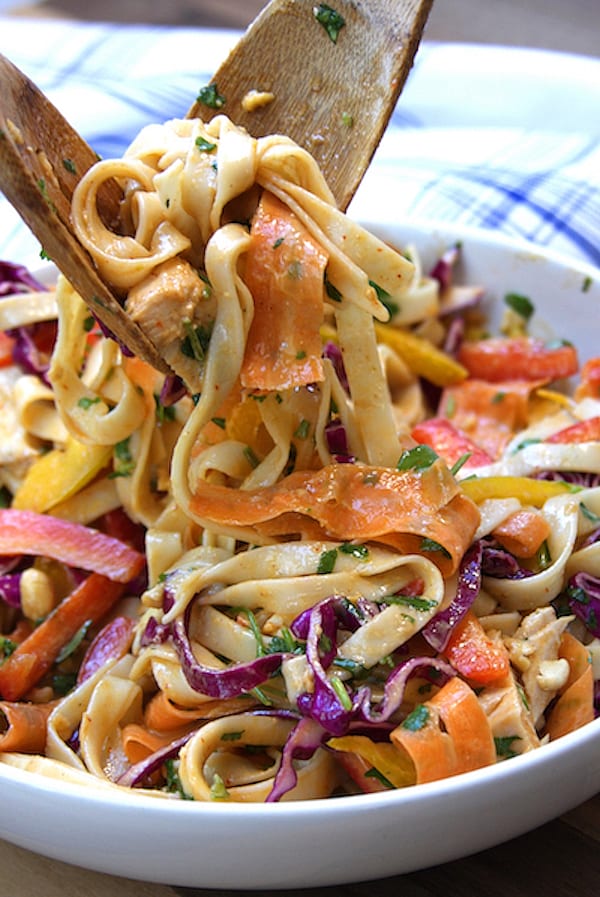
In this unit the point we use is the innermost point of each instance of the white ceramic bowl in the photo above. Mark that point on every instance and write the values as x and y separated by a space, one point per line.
325 842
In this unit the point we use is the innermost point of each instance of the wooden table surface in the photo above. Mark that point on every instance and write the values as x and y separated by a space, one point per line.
559 859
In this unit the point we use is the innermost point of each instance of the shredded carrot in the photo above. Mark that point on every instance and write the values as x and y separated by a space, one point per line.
589 383
348 501
474 654
575 706
488 413
284 272
162 715
25 726
523 533
34 657
138 743
447 735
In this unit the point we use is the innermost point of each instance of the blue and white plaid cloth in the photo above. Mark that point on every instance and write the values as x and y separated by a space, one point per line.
503 139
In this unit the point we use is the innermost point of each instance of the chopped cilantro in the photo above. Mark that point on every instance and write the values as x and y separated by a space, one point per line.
522 305
7 646
414 601
504 746
357 551
347 119
251 457
196 341
73 644
375 774
124 464
219 422
432 545
303 429
210 96
163 412
331 20
86 402
232 736
416 719
69 166
587 284
341 693
327 561
460 463
205 146
385 299
418 458
332 291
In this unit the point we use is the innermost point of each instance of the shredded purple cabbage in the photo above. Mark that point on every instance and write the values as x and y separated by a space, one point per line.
140 772
587 480
17 279
172 391
333 352
438 630
443 269
302 743
10 589
500 564
583 596
433 669
337 442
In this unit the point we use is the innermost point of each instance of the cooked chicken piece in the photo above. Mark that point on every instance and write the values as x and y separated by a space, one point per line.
534 651
174 308
509 718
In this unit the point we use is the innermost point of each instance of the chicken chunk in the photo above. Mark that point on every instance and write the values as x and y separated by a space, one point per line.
534 651
509 718
174 308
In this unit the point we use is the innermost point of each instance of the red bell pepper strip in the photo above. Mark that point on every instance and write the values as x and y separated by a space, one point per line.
583 431
474 655
33 658
521 358
449 442
30 533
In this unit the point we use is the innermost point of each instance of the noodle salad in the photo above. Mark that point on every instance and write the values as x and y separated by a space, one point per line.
350 544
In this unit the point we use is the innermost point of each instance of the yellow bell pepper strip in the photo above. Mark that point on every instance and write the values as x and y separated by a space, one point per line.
526 489
421 356
384 758
29 533
33 658
59 474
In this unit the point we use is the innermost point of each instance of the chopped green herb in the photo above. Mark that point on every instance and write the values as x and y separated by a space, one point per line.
522 305
251 457
210 96
303 429
278 242
504 746
543 557
205 146
124 463
88 324
5 497
44 191
347 119
341 693
417 718
327 561
385 299
284 643
86 402
74 643
196 341
414 601
432 545
300 354
460 463
357 551
418 458
7 646
331 20
498 397
524 444
44 255
172 781
332 292
255 628
69 166
219 422
375 774
62 683
232 736
163 412
587 284
591 516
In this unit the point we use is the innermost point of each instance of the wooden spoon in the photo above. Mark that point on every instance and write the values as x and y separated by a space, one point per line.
335 76
333 93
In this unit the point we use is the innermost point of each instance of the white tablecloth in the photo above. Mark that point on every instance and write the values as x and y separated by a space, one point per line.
493 137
